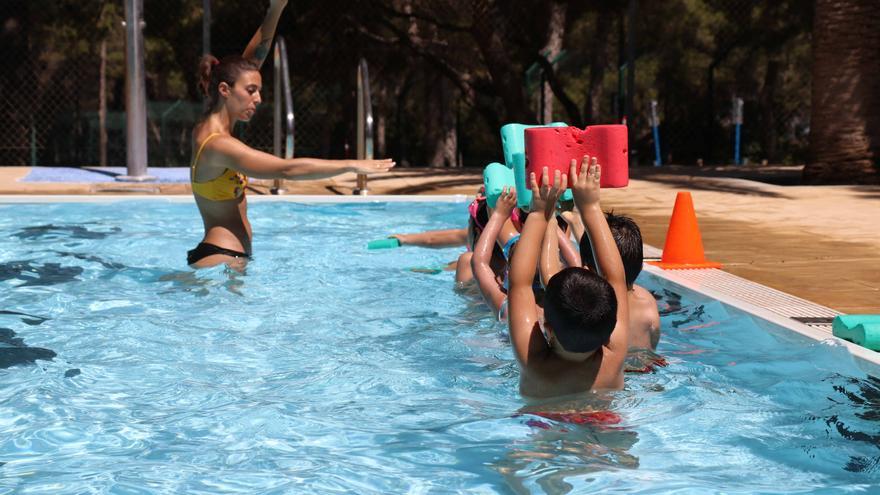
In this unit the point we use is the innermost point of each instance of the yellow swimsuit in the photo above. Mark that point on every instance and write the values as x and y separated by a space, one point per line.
229 185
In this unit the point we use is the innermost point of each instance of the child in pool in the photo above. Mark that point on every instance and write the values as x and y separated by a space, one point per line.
580 344
478 218
644 318
503 229
489 279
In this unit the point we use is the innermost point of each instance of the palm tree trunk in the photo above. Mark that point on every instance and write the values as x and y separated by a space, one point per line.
845 114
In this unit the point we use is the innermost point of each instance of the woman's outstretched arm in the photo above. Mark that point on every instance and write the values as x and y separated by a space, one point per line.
234 154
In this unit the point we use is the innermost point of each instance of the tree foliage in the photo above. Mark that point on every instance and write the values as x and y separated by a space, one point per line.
444 73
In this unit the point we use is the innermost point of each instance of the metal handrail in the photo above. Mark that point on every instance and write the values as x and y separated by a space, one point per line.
364 124
282 91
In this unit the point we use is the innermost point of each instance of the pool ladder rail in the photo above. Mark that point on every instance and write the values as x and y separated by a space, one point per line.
282 92
283 97
364 124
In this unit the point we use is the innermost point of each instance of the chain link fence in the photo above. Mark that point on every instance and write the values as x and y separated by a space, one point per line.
62 76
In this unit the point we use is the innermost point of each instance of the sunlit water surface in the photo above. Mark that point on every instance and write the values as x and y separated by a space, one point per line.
328 368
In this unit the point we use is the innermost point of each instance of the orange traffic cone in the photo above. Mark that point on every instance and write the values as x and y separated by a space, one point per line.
684 245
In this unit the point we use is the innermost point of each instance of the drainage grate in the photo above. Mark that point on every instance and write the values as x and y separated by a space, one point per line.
814 321
650 253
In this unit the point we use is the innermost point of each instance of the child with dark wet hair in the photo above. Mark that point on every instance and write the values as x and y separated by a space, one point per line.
644 318
581 342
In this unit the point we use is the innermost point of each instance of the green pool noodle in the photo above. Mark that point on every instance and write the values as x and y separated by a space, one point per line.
428 270
389 243
496 177
863 330
513 140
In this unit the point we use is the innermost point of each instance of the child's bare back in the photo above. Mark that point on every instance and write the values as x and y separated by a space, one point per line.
644 319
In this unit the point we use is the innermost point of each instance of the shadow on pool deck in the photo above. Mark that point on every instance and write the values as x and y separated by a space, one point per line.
820 243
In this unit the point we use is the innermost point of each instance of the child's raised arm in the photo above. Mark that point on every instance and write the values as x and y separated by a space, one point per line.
585 188
480 262
556 244
550 264
258 47
525 333
574 221
566 248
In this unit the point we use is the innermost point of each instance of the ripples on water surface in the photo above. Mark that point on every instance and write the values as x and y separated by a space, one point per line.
328 368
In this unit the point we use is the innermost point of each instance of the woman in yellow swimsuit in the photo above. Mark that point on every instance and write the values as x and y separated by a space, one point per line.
221 163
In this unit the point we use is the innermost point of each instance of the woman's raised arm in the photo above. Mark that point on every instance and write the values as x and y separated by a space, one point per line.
258 48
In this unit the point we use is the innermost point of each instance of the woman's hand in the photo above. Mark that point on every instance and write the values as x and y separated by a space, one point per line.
371 166
277 4
544 198
585 187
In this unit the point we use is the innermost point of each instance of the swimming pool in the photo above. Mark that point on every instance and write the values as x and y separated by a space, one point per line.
328 368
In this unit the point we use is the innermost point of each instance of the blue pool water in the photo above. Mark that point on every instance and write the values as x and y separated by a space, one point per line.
328 368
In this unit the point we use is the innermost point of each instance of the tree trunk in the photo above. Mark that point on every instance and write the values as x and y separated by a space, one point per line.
598 64
845 113
709 124
443 124
555 34
767 103
490 34
102 107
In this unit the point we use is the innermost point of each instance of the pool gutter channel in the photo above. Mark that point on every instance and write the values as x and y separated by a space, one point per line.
785 310
768 304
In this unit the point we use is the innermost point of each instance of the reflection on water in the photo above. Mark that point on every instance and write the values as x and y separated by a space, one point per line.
643 361
53 232
863 400
200 282
570 442
28 319
111 265
38 274
13 350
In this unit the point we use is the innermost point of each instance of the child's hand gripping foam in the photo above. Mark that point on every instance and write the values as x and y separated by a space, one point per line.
586 183
556 147
545 196
506 202
496 178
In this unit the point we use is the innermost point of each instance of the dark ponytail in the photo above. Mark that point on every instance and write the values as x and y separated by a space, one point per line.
212 72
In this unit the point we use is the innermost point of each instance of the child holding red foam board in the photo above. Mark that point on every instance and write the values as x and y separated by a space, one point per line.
580 343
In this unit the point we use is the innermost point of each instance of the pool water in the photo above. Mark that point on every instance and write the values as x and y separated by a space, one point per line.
327 368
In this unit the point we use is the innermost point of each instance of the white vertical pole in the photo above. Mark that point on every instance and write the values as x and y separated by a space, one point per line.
136 96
